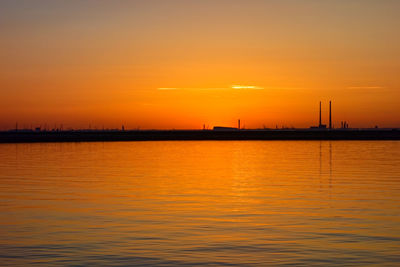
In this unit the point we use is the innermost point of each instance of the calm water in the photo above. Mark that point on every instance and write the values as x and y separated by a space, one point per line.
200 203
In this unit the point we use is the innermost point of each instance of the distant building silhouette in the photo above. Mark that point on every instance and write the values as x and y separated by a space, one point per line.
330 114
320 126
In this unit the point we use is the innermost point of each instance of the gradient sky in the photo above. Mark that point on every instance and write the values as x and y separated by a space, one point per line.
181 64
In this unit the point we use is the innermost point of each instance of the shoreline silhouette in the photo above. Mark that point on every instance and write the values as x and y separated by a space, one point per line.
182 135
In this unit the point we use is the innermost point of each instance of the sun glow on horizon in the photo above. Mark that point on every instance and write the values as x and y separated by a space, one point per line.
180 64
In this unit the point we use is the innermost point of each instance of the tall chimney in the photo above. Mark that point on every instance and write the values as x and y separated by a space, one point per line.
330 115
320 123
238 124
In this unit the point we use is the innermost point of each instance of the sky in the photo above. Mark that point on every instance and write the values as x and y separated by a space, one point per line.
182 64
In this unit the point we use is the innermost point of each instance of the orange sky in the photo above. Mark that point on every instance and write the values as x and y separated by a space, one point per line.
109 63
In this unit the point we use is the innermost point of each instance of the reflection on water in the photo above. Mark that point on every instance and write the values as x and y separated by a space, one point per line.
187 203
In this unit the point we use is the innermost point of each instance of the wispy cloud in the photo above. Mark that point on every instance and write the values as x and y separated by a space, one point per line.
365 87
284 88
168 88
253 87
236 87
191 88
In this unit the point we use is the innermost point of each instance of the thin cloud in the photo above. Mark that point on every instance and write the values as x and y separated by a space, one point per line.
251 87
236 87
188 88
365 87
285 88
166 88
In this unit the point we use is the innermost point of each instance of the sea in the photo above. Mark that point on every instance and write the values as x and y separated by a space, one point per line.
200 203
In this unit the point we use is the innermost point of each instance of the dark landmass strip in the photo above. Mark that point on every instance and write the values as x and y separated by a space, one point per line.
169 135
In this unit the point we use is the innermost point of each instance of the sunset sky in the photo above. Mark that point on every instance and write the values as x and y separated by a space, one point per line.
181 64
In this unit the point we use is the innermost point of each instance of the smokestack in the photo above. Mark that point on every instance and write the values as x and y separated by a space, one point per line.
330 115
238 124
320 123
